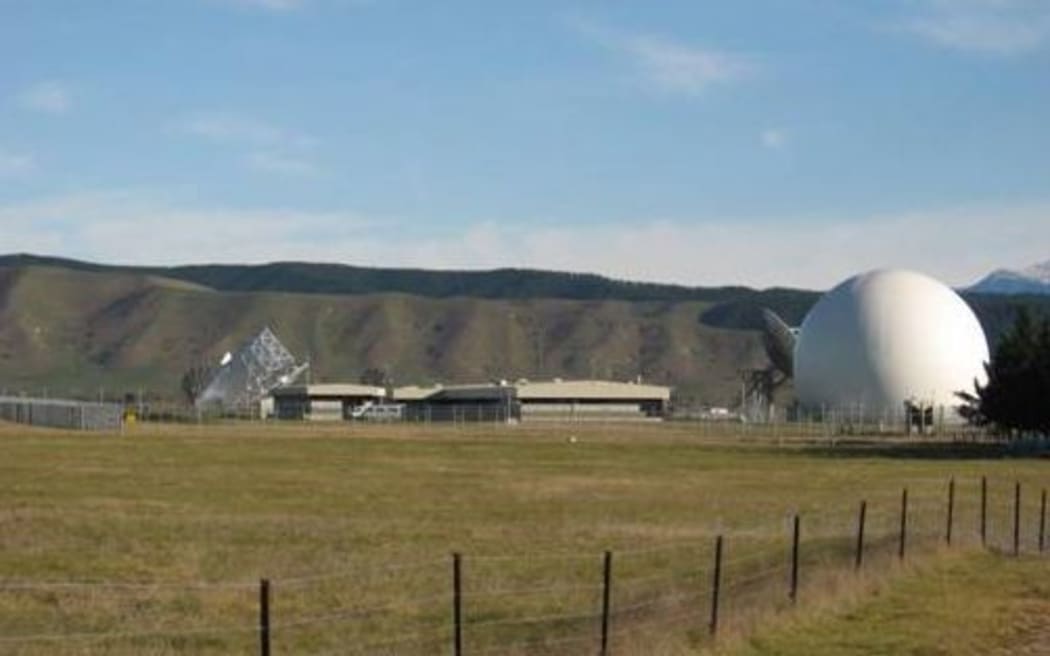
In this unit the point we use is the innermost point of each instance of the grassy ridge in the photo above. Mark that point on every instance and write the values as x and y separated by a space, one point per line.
74 332
339 279
75 329
355 526
968 604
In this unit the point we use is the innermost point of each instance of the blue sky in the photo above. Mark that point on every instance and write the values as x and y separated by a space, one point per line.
777 142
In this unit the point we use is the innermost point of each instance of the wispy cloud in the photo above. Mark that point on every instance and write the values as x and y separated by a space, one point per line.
670 65
288 6
774 138
955 245
282 164
272 149
999 27
48 96
99 225
14 164
235 128
269 5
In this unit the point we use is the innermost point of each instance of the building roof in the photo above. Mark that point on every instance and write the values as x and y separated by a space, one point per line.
414 392
330 389
592 389
481 391
567 390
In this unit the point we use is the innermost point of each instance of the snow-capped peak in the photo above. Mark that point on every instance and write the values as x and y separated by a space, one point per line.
1031 280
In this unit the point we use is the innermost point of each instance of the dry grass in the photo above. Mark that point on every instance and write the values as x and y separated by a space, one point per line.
355 525
961 603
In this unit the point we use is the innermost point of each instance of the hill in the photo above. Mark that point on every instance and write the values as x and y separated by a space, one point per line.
74 332
75 328
1032 280
317 278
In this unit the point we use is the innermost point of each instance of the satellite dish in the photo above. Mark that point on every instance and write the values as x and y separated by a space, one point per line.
251 373
779 341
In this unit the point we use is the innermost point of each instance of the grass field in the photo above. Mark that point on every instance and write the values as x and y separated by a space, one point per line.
355 527
959 605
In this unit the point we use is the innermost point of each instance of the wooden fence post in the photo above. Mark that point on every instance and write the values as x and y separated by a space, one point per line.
606 600
794 561
1042 522
716 586
264 617
1017 519
984 511
904 523
457 604
860 534
951 510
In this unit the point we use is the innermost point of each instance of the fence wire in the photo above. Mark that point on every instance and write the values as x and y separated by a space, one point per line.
547 602
57 413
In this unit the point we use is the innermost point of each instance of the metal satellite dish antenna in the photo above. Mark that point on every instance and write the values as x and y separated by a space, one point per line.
250 373
779 341
760 385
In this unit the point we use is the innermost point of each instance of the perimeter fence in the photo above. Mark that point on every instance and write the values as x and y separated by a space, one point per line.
640 600
59 413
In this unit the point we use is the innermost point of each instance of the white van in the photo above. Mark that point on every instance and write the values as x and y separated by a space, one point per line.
378 412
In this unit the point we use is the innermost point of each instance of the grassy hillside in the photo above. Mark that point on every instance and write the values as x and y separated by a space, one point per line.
73 327
317 278
74 332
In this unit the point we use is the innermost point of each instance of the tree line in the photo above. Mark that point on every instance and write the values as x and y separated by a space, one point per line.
1015 398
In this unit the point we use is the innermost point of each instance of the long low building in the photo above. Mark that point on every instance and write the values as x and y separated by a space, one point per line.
555 400
325 402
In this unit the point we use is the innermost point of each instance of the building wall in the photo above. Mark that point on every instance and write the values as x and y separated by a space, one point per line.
588 411
512 410
422 412
316 408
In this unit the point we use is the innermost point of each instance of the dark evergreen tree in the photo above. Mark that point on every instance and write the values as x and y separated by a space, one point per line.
194 380
1016 397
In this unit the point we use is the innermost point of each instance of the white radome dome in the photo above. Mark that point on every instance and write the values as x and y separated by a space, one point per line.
886 337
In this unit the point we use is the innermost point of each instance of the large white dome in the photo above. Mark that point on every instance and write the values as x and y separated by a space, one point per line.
885 337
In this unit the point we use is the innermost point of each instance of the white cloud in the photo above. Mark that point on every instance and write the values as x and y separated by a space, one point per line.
110 225
273 149
669 65
1000 27
679 68
48 96
277 163
956 245
774 138
234 128
13 164
269 5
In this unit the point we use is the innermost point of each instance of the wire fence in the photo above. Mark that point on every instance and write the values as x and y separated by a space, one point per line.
58 413
680 593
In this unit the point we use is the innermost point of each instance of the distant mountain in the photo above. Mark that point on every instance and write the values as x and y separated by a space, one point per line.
1033 280
72 327
80 332
316 278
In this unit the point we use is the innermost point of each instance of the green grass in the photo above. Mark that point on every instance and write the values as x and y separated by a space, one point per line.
973 603
355 526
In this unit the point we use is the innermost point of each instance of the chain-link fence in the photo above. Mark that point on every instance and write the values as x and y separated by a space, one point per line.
58 413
